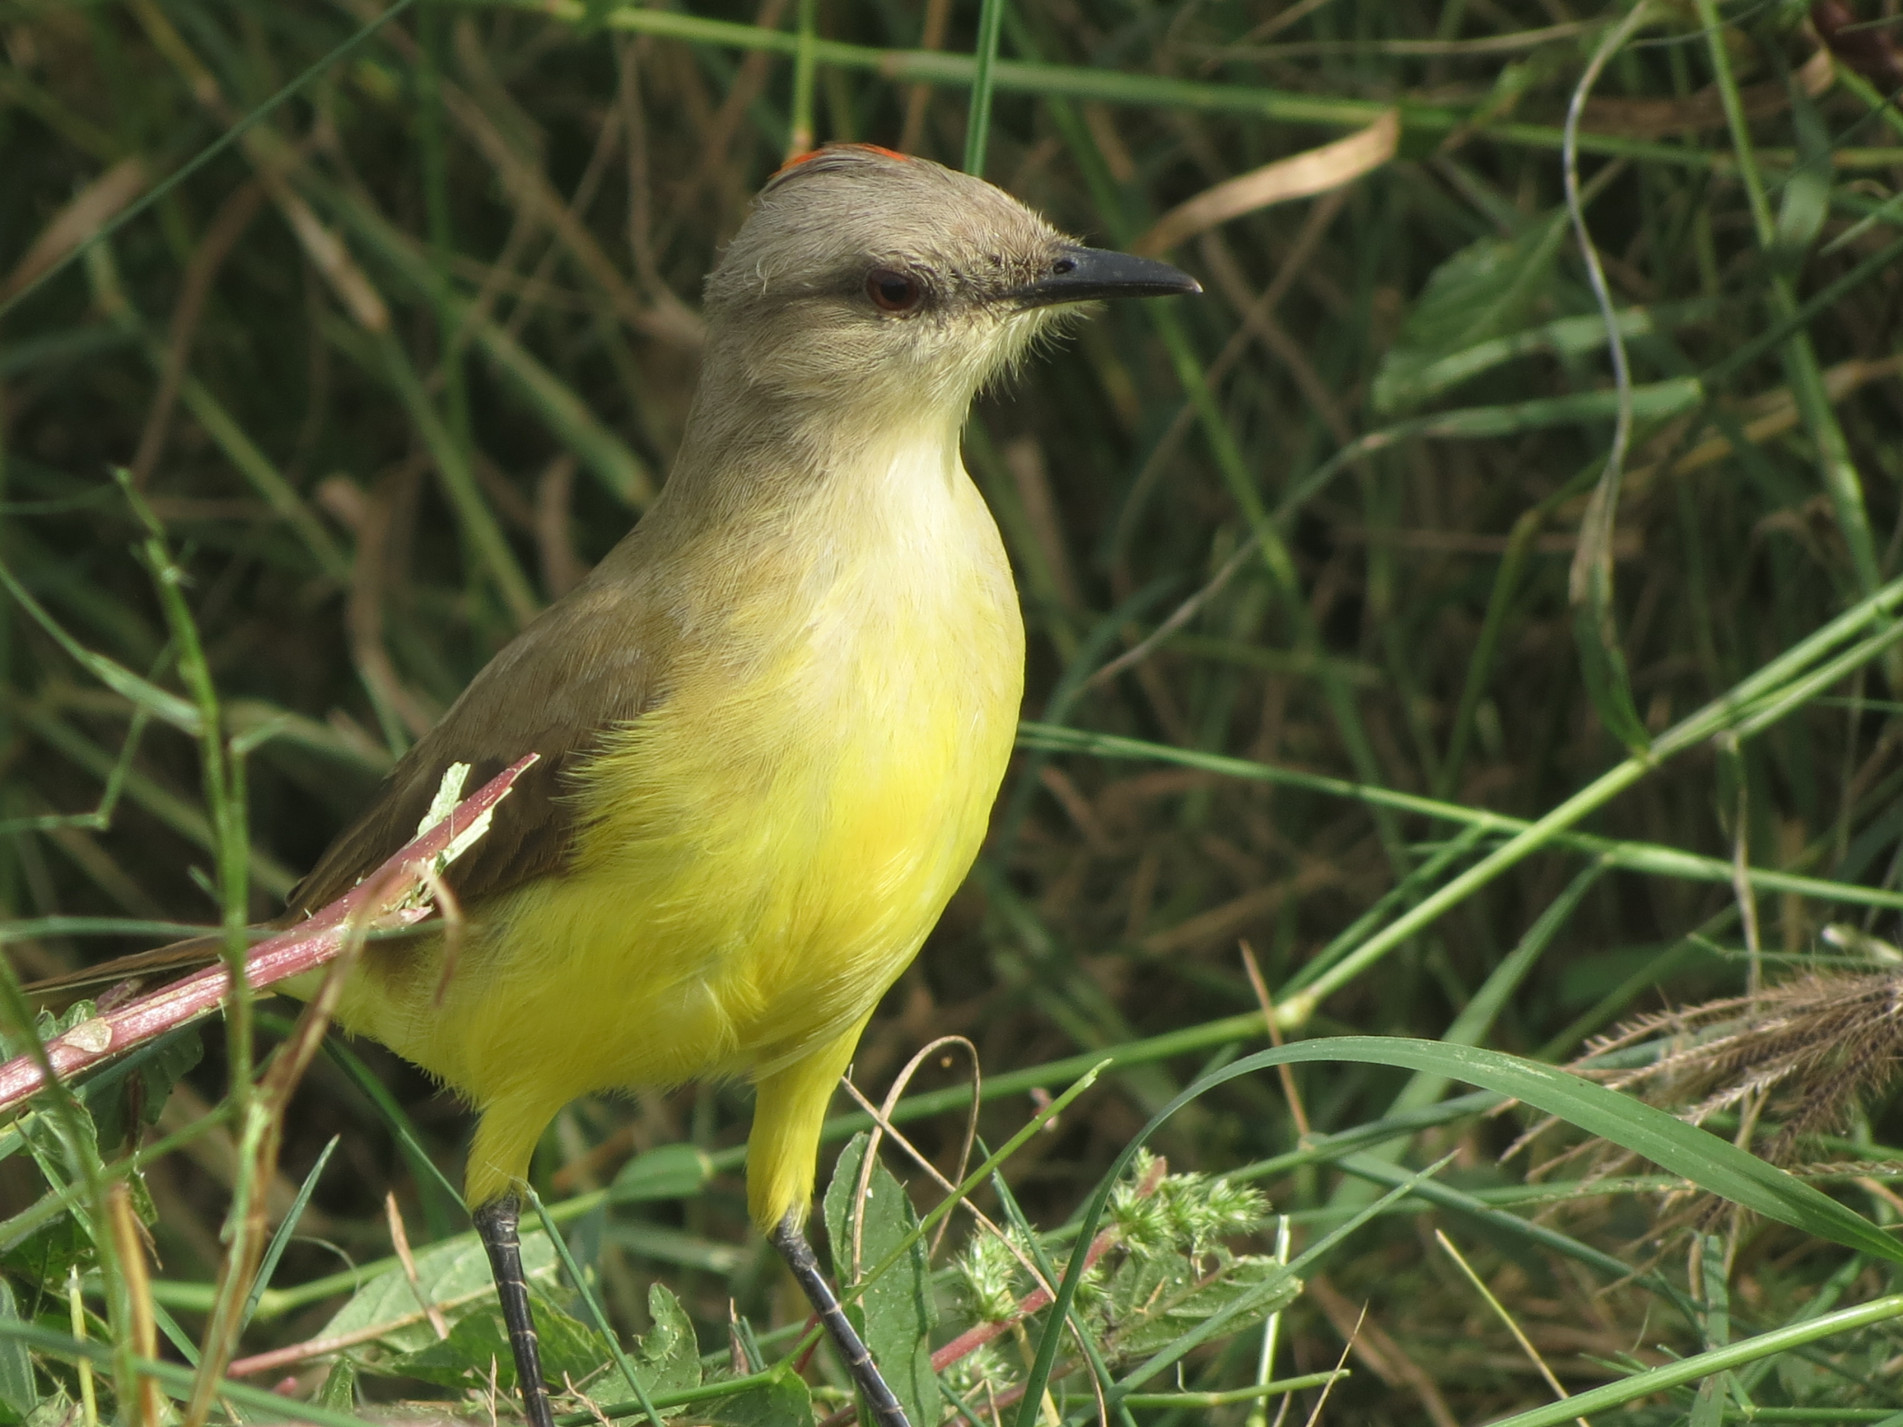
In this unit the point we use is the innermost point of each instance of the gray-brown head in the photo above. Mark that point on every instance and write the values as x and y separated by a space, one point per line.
866 279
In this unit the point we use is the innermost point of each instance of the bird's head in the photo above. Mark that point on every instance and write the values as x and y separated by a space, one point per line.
866 279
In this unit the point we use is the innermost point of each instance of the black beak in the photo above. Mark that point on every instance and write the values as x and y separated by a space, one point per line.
1085 274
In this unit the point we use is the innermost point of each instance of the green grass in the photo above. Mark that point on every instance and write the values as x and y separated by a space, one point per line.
389 317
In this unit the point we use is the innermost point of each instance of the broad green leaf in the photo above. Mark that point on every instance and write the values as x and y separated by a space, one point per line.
141 1082
479 1343
670 1172
669 1351
785 1401
1489 287
17 1392
894 1314
338 1391
59 1138
1564 337
837 1206
453 1275
45 1253
57 1409
667 1357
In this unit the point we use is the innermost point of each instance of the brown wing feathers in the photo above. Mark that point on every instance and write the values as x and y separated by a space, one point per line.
577 671
528 833
581 668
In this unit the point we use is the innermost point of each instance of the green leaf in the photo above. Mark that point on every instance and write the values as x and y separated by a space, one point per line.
57 1409
668 1357
454 1275
1638 1385
1564 337
338 1391
669 1352
1589 588
1601 661
894 1314
784 1401
141 1083
479 1344
60 1139
46 1254
18 1395
1708 1404
1806 201
273 1251
670 1172
1149 1303
1487 288
571 1350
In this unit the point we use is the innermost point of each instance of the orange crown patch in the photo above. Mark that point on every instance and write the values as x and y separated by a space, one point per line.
811 154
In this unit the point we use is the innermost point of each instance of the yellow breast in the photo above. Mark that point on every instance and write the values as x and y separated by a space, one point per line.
764 852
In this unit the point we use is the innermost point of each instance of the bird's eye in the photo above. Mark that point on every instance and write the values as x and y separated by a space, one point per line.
893 291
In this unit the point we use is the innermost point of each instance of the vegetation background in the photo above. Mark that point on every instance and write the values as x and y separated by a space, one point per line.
388 321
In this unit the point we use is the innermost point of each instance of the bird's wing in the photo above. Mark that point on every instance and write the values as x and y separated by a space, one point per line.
535 698
187 955
489 728
584 667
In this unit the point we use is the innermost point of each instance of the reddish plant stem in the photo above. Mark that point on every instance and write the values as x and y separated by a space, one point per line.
976 1337
372 905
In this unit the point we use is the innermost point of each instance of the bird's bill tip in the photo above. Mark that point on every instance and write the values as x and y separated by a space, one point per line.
1081 274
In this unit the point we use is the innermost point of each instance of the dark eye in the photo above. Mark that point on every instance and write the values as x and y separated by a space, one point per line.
893 291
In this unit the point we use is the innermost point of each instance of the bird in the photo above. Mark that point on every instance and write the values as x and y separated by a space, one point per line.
770 724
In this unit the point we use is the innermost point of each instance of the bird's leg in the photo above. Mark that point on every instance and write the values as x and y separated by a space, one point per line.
798 1253
496 1225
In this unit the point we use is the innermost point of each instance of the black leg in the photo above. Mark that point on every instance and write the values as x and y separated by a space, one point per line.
799 1257
496 1224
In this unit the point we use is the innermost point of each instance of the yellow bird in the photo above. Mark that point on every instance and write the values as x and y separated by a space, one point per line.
771 722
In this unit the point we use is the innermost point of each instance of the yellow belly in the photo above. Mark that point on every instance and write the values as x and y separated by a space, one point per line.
761 855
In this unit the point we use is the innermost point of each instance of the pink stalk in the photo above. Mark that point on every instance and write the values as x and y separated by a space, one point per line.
976 1337
374 904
